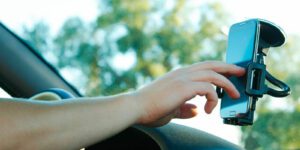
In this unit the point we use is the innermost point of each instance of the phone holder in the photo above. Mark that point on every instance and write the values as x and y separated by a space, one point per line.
270 35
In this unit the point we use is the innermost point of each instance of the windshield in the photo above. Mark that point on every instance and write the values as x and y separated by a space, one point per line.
112 46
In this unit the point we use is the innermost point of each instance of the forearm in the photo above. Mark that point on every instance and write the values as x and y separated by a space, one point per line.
65 125
78 123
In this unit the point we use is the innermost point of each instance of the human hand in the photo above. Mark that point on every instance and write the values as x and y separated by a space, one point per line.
166 97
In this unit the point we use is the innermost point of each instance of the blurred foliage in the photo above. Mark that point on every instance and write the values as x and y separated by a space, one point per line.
275 128
158 36
38 36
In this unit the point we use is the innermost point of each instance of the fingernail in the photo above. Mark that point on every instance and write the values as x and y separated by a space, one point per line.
237 96
239 67
209 111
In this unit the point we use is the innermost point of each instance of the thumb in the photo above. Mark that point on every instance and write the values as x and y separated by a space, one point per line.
186 111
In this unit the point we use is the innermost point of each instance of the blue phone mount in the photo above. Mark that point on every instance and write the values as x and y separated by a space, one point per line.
270 35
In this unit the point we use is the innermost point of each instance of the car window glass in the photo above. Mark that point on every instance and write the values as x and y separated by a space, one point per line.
105 48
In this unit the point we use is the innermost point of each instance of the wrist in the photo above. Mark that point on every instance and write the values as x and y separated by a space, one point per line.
135 105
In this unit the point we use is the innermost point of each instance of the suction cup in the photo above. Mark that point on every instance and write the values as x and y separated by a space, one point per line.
271 34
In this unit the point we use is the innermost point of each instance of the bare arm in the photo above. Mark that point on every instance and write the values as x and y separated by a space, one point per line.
84 121
64 125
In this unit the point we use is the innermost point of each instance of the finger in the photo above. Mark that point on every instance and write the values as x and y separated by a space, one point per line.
207 90
163 120
239 72
219 67
186 111
216 79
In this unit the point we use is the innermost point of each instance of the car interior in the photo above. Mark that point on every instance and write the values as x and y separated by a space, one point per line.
24 73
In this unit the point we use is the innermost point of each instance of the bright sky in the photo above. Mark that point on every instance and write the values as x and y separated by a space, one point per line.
17 13
284 13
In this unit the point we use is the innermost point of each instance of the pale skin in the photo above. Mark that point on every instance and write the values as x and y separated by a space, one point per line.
80 122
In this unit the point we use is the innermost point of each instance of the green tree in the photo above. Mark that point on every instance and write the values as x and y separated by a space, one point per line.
159 38
38 36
